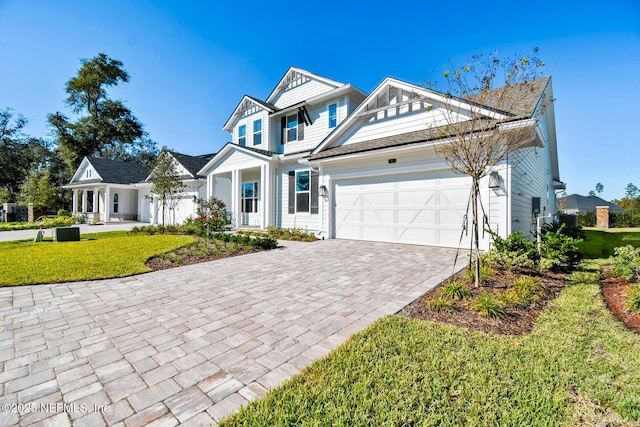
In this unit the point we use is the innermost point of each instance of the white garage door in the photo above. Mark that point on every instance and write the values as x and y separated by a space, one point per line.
420 208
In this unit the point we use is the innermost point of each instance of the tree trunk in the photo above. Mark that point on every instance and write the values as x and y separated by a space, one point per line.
475 188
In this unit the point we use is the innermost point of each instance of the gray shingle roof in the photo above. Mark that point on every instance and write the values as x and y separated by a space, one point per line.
117 172
585 203
193 163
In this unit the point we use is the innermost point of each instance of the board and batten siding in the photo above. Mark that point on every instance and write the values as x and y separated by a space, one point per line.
304 91
396 125
284 219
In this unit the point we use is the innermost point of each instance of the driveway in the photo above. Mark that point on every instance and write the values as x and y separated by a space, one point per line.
192 344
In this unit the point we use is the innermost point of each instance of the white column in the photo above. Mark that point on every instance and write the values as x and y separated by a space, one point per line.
74 203
96 203
265 196
84 200
107 204
236 197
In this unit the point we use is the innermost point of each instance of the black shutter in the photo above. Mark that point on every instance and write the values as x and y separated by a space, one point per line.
314 191
300 126
283 127
292 192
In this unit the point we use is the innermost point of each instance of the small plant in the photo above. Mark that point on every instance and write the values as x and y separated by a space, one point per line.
583 277
485 273
456 290
440 304
626 262
487 305
633 298
523 292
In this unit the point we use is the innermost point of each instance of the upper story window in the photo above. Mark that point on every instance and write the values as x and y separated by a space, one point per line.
257 132
332 111
88 173
292 128
242 135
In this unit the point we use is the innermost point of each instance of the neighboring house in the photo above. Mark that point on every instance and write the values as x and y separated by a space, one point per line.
105 190
319 155
194 188
576 203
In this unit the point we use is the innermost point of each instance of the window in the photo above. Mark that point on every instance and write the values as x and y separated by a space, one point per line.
292 128
250 197
257 132
242 135
303 191
333 115
115 203
88 173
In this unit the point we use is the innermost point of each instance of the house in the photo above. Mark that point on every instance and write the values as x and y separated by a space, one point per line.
127 189
105 190
194 188
576 203
321 155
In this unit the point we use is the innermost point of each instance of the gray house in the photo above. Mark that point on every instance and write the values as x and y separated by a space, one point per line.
576 203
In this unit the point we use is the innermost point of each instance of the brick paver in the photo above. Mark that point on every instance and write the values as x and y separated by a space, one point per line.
193 344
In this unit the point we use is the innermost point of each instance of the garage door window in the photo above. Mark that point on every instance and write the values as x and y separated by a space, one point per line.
303 191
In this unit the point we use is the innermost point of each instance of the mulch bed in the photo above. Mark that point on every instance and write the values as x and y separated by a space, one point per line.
516 321
614 290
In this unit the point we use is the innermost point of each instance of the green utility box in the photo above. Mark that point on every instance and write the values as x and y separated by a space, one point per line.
67 234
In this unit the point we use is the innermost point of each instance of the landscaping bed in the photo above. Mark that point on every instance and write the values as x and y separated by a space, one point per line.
516 320
614 292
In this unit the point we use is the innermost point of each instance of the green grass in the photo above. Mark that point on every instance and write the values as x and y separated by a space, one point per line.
97 256
601 243
579 366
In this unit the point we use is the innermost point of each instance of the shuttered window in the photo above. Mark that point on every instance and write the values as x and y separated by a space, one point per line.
303 192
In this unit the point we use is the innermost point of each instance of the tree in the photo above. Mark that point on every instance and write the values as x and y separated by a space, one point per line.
104 127
484 124
592 193
39 190
631 191
599 188
167 185
20 154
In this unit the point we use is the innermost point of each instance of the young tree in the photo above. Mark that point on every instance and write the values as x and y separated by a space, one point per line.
487 117
104 127
167 185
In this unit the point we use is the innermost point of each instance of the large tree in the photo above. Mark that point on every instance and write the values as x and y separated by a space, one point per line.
20 154
485 121
103 127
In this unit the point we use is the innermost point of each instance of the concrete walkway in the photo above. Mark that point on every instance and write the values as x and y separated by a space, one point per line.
84 229
192 344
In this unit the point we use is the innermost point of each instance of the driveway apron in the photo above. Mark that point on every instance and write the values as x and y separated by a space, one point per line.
193 344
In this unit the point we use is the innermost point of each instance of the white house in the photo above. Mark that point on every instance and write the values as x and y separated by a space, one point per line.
105 190
320 155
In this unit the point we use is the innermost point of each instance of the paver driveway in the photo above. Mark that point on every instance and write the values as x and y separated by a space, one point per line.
192 344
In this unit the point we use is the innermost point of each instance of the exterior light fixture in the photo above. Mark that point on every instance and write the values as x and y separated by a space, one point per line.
195 199
322 191
494 180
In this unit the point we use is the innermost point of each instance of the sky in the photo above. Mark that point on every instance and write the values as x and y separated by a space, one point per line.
190 62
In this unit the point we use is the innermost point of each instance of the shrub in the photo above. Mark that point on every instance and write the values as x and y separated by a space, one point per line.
455 290
633 298
212 215
487 305
524 291
440 304
513 252
64 213
557 247
485 273
626 262
296 234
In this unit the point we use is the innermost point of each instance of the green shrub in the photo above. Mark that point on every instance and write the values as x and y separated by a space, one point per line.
486 271
487 305
295 234
523 292
440 304
626 262
456 290
557 247
64 213
583 277
633 298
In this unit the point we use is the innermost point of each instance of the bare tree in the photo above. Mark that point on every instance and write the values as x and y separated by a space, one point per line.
490 109
167 184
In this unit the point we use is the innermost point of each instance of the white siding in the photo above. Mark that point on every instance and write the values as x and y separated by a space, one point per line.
248 122
236 160
304 220
302 92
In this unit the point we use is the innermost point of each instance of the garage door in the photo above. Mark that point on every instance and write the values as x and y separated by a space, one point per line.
421 208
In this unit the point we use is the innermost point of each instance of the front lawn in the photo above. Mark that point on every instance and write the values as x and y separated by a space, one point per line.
579 366
600 243
96 256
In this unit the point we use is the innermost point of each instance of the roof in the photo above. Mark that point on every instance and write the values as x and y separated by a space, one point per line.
118 172
534 91
192 163
576 202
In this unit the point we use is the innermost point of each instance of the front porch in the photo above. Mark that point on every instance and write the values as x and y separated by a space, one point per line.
104 203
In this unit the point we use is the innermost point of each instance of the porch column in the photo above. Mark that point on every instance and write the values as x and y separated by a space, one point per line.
107 204
84 201
236 198
96 202
74 203
211 186
265 195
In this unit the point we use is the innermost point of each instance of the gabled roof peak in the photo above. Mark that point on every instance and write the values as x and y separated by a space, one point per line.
296 76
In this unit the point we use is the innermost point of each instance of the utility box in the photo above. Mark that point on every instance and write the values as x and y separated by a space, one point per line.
67 234
535 204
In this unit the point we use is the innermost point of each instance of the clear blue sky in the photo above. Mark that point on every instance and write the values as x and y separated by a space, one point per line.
190 62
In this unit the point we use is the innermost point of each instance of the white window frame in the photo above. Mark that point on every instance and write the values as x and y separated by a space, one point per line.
307 191
257 134
335 116
292 129
242 135
255 197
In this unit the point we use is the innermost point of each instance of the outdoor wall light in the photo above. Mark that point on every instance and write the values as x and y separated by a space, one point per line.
322 191
494 180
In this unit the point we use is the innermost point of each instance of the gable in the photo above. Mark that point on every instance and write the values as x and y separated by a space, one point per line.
298 85
233 156
86 173
247 107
